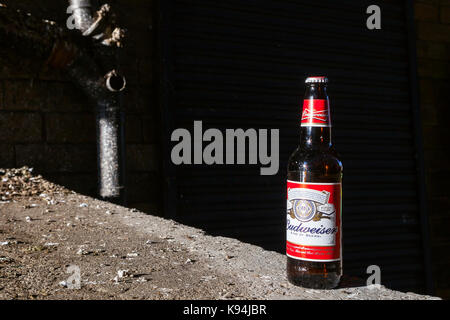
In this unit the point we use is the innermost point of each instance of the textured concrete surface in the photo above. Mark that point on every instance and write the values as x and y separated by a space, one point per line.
47 231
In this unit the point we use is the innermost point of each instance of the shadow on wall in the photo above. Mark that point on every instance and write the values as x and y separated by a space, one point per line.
86 184
48 124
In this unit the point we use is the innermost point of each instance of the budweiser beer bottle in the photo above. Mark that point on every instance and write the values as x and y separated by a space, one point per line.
314 230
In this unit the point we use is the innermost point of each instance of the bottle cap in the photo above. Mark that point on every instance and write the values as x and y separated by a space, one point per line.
316 80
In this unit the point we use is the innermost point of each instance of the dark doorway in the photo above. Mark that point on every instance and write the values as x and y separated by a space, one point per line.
241 64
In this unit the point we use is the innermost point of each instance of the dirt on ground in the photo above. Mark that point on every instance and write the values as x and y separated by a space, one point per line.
56 244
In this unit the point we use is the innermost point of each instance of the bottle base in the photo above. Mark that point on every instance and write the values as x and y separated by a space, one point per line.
330 281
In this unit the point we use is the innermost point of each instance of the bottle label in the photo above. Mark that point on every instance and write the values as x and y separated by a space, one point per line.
316 113
314 221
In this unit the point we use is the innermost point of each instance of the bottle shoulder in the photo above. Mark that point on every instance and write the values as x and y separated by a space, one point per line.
316 160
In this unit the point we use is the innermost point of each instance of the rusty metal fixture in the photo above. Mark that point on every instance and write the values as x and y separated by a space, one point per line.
102 16
102 28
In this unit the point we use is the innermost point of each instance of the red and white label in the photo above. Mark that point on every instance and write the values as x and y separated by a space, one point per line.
316 113
314 221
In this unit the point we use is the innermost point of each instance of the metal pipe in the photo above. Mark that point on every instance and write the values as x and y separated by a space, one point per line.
109 145
110 125
109 118
82 14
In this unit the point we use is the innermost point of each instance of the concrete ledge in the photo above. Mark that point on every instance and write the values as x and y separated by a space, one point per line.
120 253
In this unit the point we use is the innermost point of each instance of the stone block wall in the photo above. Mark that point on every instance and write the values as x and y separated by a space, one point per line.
47 123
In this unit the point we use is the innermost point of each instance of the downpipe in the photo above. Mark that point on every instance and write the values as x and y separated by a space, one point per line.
109 114
82 12
111 142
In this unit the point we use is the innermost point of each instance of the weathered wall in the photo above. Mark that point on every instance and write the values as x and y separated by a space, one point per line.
433 49
47 123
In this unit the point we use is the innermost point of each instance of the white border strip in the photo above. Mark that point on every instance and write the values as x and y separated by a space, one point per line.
314 183
297 258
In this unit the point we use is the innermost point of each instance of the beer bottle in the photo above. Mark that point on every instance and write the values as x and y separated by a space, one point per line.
314 229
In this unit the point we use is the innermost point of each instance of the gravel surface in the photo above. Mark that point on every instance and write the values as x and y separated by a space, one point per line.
56 244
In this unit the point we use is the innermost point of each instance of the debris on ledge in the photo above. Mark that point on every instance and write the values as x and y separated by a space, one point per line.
56 244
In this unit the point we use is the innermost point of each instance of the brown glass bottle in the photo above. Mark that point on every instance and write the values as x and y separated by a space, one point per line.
313 259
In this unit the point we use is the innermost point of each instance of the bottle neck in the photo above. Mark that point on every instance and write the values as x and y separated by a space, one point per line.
315 129
315 137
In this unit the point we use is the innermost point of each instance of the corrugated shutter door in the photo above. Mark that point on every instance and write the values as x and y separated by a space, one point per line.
241 64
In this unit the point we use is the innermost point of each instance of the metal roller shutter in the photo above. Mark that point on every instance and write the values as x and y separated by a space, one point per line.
241 64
